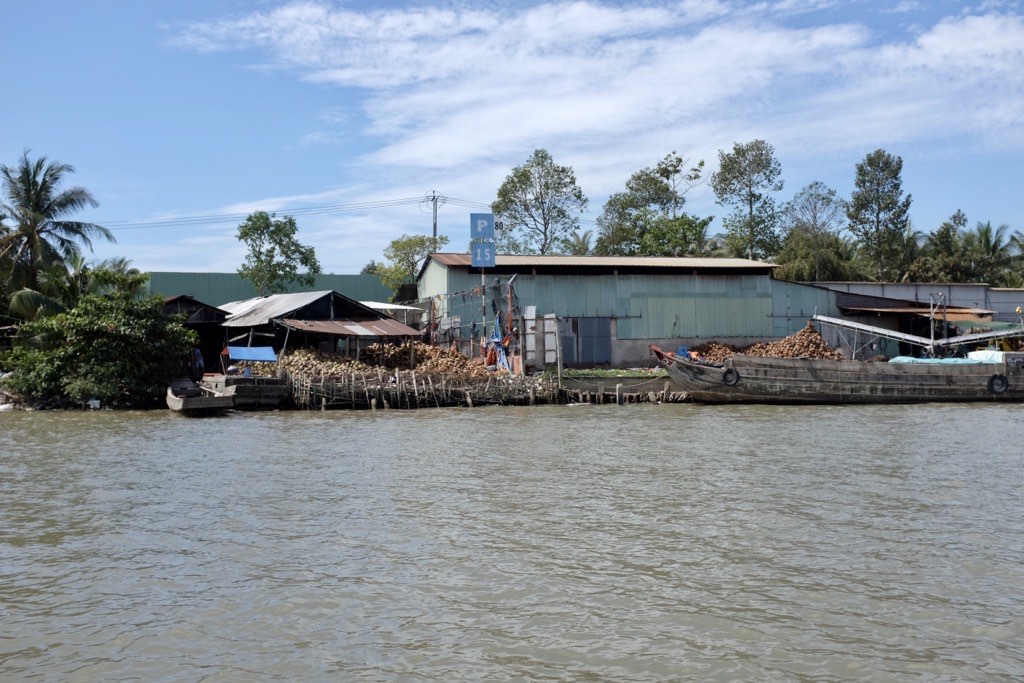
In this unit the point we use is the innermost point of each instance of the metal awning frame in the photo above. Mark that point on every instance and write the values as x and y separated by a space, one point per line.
928 344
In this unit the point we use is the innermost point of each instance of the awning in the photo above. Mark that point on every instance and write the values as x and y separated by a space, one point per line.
259 354
382 327
381 306
979 315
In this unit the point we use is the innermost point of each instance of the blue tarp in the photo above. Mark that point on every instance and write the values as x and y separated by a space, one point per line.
260 354
935 361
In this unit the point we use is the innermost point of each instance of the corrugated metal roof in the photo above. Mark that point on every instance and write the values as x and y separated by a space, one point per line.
567 262
260 311
383 327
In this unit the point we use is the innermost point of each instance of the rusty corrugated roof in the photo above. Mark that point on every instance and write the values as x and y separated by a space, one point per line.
382 327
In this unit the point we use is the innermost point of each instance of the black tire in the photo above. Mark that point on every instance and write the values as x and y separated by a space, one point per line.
730 377
998 384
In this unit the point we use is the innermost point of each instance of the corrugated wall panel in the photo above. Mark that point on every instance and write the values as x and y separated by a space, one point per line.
793 304
656 306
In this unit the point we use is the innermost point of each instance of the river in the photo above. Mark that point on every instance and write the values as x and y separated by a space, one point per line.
576 543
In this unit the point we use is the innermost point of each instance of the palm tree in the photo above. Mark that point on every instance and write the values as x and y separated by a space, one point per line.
39 234
578 243
994 251
62 285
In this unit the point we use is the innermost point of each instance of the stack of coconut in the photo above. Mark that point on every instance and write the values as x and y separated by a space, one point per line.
807 343
430 360
310 363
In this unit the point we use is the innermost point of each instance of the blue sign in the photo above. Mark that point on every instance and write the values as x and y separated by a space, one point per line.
483 253
481 226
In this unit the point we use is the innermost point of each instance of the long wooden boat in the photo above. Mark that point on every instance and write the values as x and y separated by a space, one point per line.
751 379
188 398
248 392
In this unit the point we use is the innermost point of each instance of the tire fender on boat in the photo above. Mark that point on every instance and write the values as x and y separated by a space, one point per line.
730 377
997 384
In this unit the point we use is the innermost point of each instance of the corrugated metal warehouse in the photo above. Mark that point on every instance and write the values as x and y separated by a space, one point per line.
613 308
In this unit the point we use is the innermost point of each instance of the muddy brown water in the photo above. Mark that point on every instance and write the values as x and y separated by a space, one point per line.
611 543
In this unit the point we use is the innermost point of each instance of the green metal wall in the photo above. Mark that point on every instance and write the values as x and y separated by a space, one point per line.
220 288
795 304
645 306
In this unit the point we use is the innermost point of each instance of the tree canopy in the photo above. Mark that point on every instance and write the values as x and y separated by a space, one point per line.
743 180
879 214
540 203
646 219
275 255
405 256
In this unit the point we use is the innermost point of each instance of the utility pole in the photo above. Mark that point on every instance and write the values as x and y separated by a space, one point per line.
433 199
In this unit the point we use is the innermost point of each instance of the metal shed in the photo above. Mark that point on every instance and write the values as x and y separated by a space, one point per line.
609 309
324 318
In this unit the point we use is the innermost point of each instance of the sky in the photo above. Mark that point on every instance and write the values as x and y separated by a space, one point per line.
183 117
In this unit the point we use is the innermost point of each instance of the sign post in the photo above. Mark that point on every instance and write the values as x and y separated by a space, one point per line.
483 255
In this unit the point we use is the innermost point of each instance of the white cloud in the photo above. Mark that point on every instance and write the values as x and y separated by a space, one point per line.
468 92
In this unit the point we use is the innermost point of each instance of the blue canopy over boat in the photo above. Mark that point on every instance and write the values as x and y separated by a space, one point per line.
259 354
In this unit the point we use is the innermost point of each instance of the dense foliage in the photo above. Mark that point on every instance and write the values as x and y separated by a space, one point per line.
646 219
113 347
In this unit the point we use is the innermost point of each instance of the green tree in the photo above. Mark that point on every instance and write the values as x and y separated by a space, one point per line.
405 255
683 235
810 257
38 232
374 267
744 178
944 255
539 202
879 214
811 223
580 243
62 285
992 250
115 347
275 255
651 203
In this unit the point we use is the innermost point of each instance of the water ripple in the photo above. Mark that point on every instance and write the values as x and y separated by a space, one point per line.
597 543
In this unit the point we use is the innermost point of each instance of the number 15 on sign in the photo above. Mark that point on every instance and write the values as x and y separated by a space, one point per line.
483 253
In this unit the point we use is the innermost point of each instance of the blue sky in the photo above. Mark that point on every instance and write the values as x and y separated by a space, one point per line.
182 117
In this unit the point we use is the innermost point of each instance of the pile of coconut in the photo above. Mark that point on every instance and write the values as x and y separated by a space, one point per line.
807 343
426 360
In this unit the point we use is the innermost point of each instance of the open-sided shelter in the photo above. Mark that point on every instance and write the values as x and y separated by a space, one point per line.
327 320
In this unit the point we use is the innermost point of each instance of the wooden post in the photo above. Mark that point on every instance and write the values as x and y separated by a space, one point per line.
665 399
618 394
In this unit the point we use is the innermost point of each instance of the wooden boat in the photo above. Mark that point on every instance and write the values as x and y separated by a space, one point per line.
752 379
248 392
188 398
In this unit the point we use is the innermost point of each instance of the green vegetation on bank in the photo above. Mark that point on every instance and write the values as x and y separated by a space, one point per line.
113 347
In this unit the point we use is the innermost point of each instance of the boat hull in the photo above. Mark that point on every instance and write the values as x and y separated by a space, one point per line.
751 379
249 393
193 401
